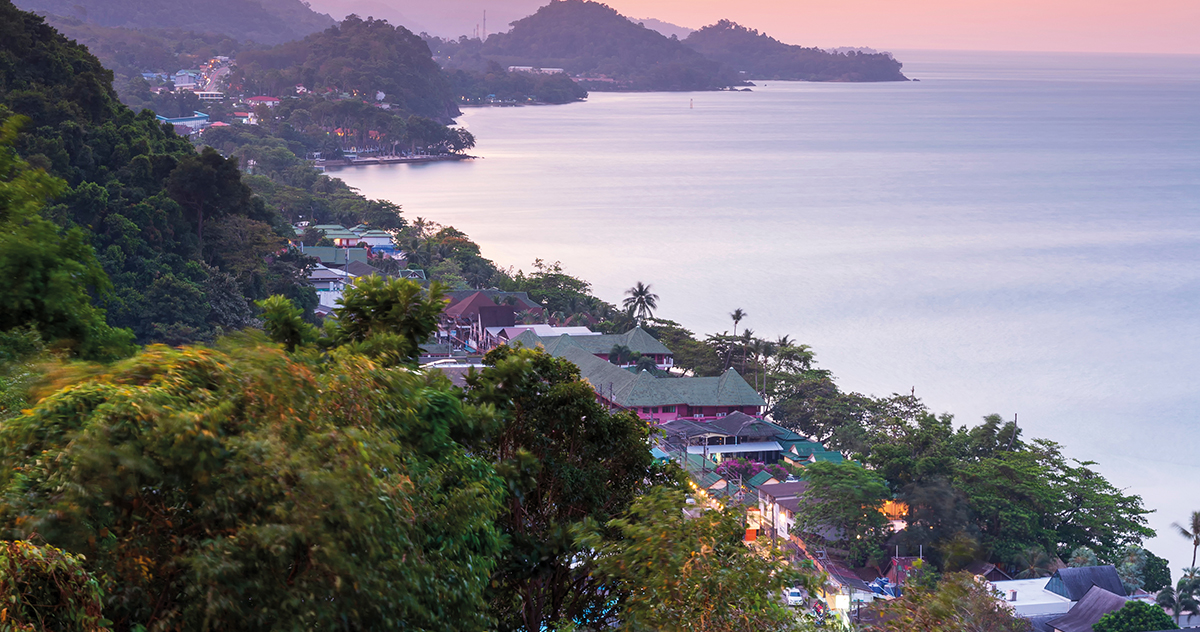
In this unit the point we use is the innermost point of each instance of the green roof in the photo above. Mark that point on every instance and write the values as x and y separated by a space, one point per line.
760 479
334 255
636 339
643 389
831 457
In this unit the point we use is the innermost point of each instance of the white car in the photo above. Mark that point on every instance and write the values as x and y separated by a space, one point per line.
793 596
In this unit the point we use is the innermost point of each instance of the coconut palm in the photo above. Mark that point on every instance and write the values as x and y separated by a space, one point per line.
641 302
1034 563
1180 599
737 315
1191 532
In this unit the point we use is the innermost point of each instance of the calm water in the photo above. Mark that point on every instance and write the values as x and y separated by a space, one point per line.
1015 233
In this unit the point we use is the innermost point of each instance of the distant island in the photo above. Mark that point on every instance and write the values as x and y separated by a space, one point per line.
760 56
605 51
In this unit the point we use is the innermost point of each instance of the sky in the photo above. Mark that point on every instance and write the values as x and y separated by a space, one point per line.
1114 26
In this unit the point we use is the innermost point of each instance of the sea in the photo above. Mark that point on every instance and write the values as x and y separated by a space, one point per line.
1014 233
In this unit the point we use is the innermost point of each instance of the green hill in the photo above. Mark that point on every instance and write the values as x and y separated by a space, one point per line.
264 21
185 243
762 57
593 40
357 57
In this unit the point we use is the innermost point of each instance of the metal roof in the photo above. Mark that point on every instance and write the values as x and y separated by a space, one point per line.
1096 603
756 446
1074 583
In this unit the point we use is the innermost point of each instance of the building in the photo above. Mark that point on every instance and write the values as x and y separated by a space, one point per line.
1094 604
777 505
267 101
208 95
194 123
334 257
1056 595
534 70
636 340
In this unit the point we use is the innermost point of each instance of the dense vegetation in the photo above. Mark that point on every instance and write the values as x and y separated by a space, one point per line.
266 21
359 58
185 244
760 56
593 40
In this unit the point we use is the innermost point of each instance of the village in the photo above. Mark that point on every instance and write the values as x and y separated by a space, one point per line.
704 425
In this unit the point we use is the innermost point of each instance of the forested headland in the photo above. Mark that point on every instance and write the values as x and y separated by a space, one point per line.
760 56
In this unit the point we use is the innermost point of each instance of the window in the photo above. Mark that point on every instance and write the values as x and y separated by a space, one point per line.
668 409
654 410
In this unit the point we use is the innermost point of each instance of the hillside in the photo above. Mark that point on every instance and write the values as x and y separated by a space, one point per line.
593 40
185 244
760 56
358 57
264 21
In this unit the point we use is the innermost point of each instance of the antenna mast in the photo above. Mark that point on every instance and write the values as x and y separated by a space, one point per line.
484 25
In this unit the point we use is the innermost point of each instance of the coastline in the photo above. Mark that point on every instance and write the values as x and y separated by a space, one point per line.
389 160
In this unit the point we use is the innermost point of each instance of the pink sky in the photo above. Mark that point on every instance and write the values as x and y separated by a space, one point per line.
1131 26
1145 26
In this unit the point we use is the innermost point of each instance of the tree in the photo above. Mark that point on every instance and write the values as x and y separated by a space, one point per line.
842 503
49 273
284 323
1131 567
1156 574
388 318
235 488
737 315
957 604
1191 532
640 302
1135 616
210 187
1180 599
1083 556
45 588
567 461
682 573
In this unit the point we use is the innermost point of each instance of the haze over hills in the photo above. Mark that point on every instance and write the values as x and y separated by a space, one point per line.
666 28
264 21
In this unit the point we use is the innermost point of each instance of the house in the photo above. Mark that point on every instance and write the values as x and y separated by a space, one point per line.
1074 583
1093 605
734 435
326 279
270 102
372 237
989 572
636 340
194 123
341 237
209 95
777 505
334 257
658 399
1057 594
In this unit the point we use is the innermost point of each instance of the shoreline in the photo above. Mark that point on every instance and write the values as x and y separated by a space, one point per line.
390 160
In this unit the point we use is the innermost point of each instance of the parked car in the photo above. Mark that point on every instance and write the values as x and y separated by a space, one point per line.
793 596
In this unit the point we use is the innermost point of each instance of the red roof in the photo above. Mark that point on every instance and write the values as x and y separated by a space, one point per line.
470 305
220 124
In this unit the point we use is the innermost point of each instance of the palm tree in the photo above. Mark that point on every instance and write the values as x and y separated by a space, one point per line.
1193 534
737 315
1180 599
1034 563
641 302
